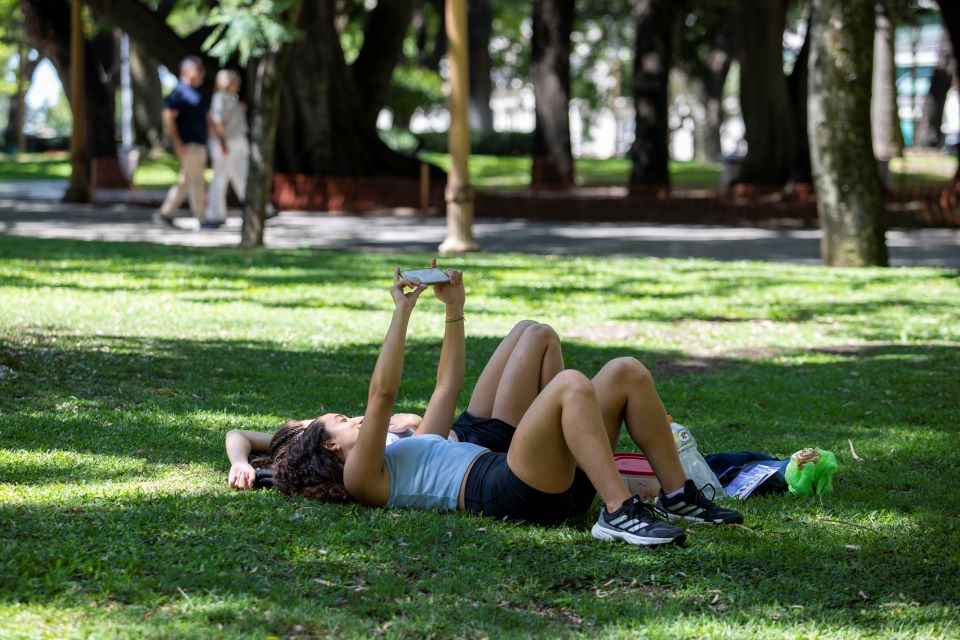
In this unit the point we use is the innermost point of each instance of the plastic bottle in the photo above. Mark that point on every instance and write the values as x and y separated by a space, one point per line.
693 463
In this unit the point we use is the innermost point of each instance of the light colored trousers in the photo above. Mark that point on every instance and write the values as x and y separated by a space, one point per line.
190 182
228 168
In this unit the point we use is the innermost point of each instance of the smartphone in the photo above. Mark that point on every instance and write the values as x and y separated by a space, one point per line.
426 276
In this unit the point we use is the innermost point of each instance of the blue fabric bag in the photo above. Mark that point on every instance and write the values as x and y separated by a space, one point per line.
728 466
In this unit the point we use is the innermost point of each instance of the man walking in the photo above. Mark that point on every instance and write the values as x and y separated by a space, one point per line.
185 121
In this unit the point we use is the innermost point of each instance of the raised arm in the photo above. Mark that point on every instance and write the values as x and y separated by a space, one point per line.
240 444
450 370
364 472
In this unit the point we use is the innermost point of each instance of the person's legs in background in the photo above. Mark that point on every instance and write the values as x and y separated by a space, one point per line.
195 163
217 195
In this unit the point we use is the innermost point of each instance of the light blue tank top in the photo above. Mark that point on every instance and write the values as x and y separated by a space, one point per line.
426 471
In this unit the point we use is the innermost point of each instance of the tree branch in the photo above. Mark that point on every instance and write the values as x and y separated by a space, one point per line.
149 30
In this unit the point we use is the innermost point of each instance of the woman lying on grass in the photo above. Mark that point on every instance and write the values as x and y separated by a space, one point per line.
546 470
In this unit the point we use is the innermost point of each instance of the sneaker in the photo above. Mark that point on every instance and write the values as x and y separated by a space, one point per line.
211 225
636 523
270 211
159 218
693 505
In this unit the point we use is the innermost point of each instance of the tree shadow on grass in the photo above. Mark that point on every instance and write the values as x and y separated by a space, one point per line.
265 564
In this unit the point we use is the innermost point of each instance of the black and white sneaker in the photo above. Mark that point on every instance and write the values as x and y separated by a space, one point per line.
636 523
693 505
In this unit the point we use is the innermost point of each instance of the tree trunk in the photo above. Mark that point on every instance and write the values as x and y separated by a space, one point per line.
550 73
147 99
928 131
323 127
268 72
849 195
650 153
706 82
48 27
884 115
13 133
764 98
372 71
480 23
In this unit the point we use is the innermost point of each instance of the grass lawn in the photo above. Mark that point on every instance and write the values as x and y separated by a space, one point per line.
123 365
498 172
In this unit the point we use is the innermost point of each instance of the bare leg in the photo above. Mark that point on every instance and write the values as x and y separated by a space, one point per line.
563 429
626 394
524 362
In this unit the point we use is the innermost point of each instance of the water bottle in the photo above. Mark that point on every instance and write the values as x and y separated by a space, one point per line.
695 467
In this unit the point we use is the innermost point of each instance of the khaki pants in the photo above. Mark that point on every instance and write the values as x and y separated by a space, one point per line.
190 183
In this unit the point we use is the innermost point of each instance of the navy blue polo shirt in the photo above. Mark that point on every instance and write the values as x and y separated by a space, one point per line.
191 108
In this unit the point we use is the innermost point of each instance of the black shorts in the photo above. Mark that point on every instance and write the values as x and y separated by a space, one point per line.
487 432
494 490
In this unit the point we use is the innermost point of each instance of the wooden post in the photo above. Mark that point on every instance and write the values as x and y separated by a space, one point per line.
79 189
424 187
459 193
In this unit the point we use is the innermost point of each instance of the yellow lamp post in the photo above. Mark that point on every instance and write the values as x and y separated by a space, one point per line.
459 194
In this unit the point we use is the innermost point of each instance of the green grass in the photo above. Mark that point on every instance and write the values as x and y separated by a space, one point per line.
497 172
509 172
123 365
151 172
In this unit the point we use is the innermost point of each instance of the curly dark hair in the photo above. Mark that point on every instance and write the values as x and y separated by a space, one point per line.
302 465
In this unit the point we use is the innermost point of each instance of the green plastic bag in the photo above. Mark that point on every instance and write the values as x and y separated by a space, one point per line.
811 470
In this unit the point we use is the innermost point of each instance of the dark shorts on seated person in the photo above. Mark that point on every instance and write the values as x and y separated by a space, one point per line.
494 490
491 433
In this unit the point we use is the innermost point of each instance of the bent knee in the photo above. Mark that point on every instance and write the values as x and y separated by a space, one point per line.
629 369
574 383
542 333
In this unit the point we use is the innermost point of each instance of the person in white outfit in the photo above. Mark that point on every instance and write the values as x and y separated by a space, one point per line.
229 147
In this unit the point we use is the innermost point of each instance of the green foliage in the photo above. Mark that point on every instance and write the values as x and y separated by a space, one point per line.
123 365
249 28
11 42
414 88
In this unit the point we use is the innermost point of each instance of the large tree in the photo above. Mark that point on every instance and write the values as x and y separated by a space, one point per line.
849 194
764 95
480 24
550 73
147 99
48 28
654 21
328 107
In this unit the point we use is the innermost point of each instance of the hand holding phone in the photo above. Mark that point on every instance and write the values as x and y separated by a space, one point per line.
426 276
